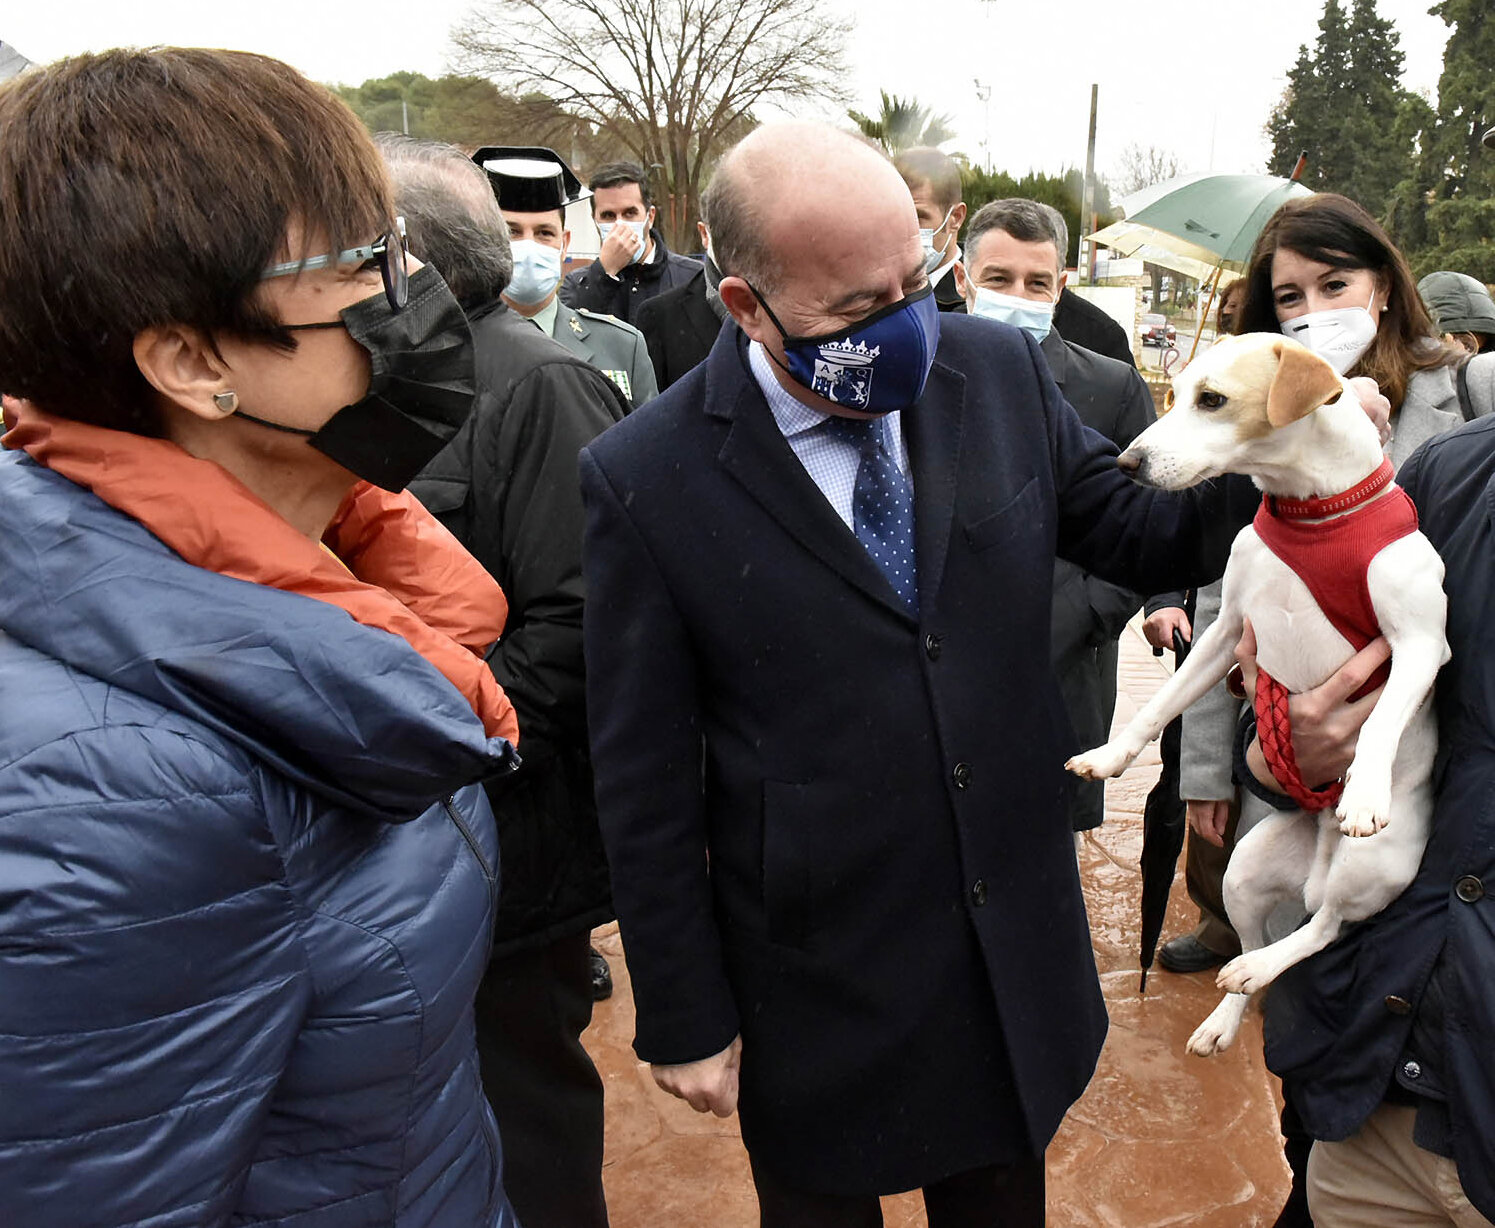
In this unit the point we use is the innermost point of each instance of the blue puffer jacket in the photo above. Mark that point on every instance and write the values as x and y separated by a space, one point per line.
238 942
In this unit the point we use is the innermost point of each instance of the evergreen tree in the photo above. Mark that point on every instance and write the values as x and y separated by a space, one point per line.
1444 211
1376 149
1344 107
1296 115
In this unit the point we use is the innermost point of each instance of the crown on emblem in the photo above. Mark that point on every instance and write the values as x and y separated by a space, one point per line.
847 355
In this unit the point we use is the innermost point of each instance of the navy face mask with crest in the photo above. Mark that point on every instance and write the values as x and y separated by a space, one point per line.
873 366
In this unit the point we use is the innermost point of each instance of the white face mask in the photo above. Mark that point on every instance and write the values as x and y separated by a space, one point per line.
606 228
935 256
1034 318
537 272
1340 337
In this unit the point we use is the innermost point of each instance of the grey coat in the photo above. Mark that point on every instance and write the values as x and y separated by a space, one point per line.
614 348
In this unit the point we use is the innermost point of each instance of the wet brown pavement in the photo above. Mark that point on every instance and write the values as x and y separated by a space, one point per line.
1160 1138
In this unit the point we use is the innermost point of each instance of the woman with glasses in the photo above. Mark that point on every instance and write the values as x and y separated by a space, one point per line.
246 874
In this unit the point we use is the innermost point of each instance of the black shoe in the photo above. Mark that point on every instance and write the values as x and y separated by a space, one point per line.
1187 954
602 977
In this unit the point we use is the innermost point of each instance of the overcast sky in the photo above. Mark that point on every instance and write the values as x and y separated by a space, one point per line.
1197 78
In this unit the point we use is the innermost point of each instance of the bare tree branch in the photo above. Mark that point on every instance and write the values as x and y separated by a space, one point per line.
673 80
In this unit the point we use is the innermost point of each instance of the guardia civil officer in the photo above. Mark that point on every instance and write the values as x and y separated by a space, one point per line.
534 187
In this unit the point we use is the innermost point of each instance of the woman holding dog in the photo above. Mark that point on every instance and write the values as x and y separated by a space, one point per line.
248 875
1372 1069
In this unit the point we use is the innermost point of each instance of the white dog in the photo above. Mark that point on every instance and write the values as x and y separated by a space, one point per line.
1263 405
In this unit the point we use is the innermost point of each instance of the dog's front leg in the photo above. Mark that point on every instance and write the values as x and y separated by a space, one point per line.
1207 663
1406 590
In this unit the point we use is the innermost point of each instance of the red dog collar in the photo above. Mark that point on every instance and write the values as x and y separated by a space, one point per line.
1317 509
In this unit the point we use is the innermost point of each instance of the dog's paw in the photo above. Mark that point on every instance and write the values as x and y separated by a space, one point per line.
1101 763
1365 805
1359 823
1214 1035
1246 974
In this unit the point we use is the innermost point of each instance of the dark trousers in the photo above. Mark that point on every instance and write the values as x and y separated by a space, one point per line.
997 1196
1204 875
532 1008
1296 1144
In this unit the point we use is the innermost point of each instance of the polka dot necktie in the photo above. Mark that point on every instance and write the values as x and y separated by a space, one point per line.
882 504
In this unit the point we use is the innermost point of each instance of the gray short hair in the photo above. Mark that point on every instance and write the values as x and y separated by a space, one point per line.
451 216
736 229
1028 221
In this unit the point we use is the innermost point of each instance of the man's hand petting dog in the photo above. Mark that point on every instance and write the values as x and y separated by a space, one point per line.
709 1085
1326 723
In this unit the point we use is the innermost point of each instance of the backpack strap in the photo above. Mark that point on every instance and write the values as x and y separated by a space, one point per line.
1461 382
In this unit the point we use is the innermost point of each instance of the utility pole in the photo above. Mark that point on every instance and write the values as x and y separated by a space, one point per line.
983 93
405 115
1087 201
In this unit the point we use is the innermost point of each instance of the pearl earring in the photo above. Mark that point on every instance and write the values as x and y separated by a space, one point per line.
226 401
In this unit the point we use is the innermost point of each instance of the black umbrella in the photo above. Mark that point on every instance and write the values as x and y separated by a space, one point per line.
1163 824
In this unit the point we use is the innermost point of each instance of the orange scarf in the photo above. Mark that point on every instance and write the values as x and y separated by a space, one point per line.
400 571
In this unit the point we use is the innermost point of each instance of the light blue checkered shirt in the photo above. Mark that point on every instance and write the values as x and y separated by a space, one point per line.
832 463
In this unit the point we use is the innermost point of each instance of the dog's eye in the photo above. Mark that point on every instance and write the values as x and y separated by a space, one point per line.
1168 400
1211 400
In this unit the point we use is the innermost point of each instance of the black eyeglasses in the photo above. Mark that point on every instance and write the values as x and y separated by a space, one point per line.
389 251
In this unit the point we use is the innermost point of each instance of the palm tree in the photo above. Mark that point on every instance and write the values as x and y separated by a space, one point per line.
904 123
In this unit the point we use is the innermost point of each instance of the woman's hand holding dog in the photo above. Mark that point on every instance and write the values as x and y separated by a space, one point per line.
1326 724
1377 408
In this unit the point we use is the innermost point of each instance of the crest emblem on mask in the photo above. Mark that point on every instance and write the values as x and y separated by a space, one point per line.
843 373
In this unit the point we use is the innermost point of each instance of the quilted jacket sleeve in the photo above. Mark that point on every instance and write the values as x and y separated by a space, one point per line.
152 980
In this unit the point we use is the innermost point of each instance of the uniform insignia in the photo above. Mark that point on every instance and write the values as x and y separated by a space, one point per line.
620 378
576 326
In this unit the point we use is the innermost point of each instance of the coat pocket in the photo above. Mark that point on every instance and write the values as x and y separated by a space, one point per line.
1011 518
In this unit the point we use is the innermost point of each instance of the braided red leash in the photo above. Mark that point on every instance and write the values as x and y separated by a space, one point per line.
1274 732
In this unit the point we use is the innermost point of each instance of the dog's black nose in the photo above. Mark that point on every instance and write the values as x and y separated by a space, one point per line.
1129 461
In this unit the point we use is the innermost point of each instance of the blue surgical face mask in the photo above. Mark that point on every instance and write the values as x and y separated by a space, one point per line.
1035 319
935 256
606 228
537 272
876 365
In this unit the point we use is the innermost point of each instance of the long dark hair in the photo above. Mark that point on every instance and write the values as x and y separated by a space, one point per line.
1334 230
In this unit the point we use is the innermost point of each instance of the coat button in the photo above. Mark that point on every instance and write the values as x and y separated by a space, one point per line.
1469 889
1413 1070
962 775
1398 1005
978 892
932 647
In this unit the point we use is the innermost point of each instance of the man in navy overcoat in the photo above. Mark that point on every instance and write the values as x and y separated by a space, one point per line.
830 775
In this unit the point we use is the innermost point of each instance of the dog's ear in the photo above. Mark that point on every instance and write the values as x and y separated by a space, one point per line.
1303 382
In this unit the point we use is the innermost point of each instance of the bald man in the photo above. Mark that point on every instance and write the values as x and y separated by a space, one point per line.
828 743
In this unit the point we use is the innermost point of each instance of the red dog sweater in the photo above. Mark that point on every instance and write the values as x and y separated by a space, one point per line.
1332 557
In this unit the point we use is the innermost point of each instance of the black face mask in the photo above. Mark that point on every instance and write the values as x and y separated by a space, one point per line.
421 392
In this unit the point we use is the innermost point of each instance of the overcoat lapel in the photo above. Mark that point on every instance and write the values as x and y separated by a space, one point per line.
931 429
760 459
